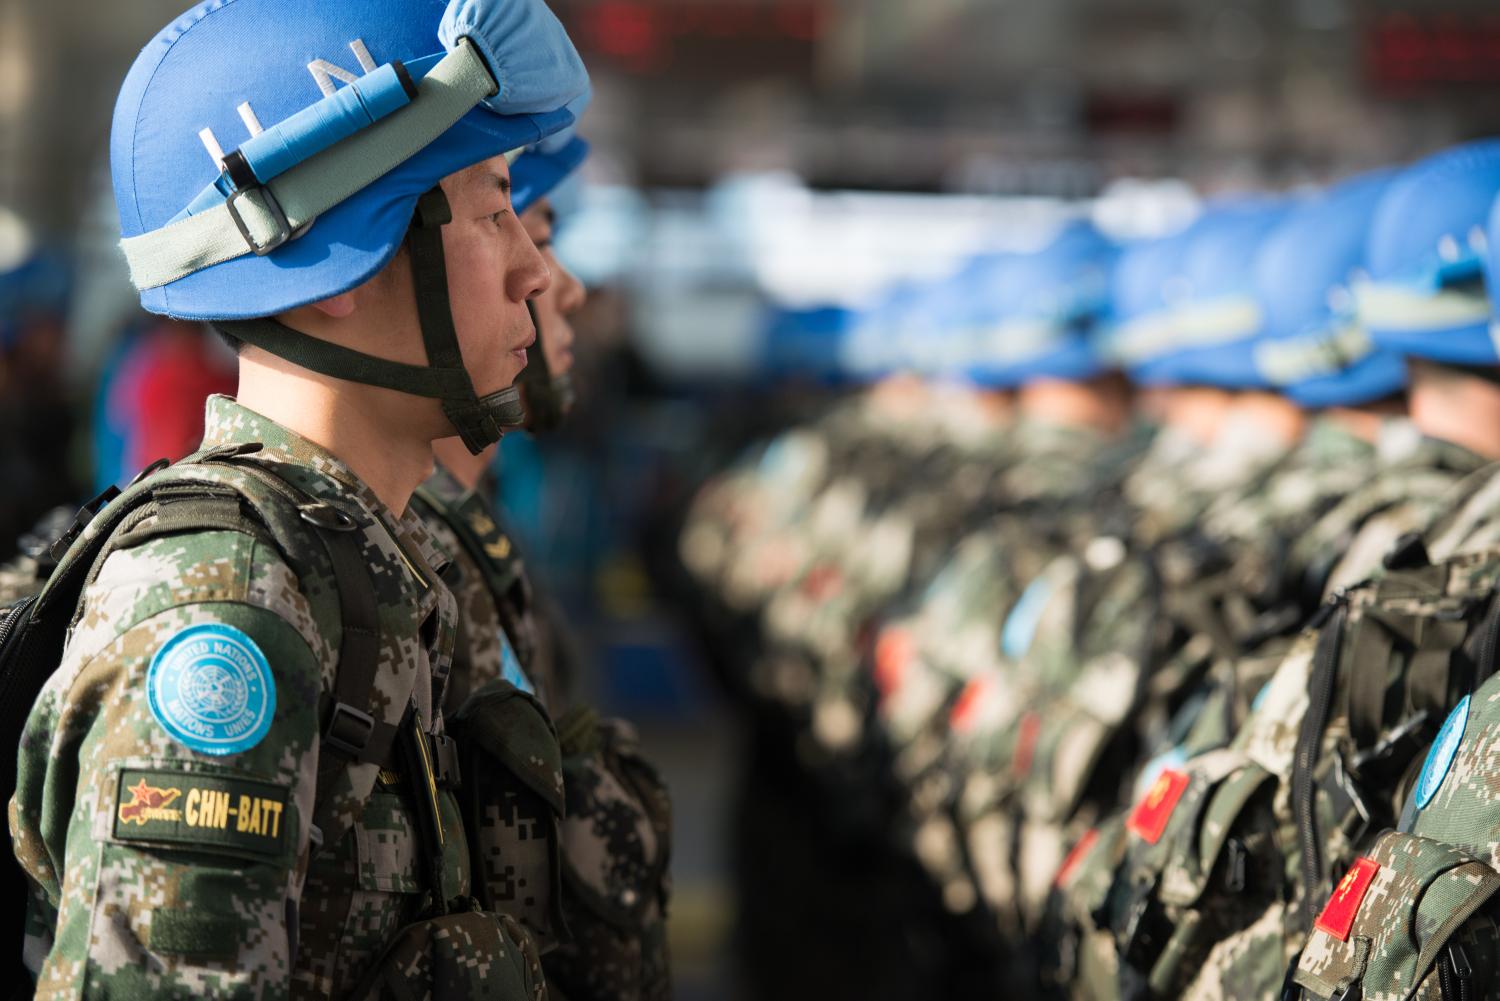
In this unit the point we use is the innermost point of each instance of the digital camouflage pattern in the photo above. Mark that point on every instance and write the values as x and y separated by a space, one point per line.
589 811
133 899
497 606
1406 922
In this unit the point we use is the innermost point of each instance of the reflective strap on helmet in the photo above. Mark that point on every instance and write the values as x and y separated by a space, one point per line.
1215 322
1396 307
260 219
1142 338
1312 356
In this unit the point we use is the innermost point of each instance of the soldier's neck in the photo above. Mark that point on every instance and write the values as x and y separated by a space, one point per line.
1366 420
1268 414
1100 403
382 435
1453 407
463 465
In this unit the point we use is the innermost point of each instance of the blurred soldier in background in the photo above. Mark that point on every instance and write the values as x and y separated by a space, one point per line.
1244 932
613 825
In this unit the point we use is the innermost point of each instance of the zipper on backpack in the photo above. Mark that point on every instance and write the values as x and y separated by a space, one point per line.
1321 686
1456 974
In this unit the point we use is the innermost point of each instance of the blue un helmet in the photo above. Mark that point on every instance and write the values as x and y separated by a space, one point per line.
807 341
1039 311
1216 317
1424 294
536 174
1315 351
543 166
1139 334
268 154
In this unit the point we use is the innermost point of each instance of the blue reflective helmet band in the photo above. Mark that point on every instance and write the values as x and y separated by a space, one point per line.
1384 306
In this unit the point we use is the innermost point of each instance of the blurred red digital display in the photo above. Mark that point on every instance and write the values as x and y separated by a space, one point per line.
647 36
1407 51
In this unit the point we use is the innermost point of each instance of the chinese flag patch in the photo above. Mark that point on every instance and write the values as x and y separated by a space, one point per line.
1338 914
1150 816
893 653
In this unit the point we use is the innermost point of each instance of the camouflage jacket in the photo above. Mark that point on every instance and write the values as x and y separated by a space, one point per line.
615 833
1417 482
1244 795
165 806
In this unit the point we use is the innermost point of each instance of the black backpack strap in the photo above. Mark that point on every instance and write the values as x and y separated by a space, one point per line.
351 734
179 503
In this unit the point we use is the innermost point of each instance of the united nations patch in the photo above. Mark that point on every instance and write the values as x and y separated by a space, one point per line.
1440 757
511 669
209 686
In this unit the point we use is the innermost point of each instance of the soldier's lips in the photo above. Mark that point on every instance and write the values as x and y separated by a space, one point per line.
520 350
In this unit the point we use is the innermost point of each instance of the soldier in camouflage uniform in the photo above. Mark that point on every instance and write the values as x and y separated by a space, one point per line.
1431 470
616 826
239 781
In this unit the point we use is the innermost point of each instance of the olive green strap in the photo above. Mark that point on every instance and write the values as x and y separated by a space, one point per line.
340 362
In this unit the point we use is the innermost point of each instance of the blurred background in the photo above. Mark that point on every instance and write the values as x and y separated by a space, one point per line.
749 155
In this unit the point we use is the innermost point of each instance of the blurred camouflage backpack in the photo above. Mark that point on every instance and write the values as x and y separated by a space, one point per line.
1230 855
1415 917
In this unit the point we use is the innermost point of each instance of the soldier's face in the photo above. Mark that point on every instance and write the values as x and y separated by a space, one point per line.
562 299
493 268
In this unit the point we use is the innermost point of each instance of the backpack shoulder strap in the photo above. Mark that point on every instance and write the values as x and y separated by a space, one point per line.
245 495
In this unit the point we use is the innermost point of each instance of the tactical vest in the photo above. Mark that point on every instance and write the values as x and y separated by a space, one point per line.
1231 853
220 490
573 832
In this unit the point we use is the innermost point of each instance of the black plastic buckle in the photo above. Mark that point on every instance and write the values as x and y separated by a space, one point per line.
155 467
348 730
445 760
81 520
326 516
283 227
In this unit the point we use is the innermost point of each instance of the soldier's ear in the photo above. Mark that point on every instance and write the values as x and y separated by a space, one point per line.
337 307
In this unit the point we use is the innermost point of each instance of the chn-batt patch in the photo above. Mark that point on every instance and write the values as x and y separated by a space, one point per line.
1338 914
201 810
1150 816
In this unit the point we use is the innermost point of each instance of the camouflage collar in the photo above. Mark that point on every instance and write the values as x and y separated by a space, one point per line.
228 422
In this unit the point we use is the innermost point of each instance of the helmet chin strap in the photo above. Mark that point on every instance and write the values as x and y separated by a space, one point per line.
479 420
549 398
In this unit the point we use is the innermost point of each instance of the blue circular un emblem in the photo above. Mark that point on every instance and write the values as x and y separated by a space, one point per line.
209 686
1444 750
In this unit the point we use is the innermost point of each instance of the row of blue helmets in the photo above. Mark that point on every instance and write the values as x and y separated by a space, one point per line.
1321 297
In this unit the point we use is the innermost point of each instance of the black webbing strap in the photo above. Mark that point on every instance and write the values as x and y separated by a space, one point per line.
350 730
429 272
1321 687
1429 681
479 420
1369 658
339 362
548 398
173 515
351 733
